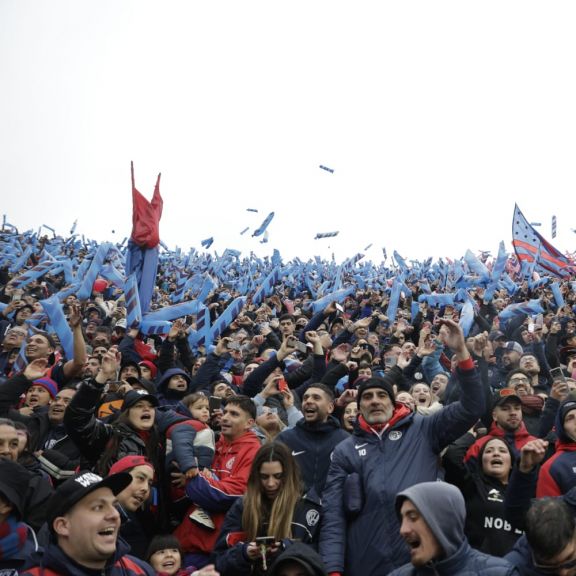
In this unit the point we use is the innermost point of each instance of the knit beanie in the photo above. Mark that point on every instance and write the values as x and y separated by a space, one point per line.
48 384
376 382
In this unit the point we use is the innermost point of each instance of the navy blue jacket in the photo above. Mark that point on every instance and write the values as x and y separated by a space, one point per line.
407 453
466 562
54 559
312 446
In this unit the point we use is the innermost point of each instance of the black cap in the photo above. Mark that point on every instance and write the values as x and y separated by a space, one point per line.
376 382
79 486
134 396
14 481
497 335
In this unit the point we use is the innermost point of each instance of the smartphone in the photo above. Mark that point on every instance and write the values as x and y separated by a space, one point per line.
265 540
282 385
531 327
214 403
339 308
557 374
390 361
113 386
300 346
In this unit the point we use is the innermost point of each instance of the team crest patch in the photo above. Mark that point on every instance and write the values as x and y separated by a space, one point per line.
395 435
312 517
230 463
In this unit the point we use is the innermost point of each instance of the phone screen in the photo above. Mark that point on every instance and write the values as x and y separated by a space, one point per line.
214 403
266 540
282 385
557 374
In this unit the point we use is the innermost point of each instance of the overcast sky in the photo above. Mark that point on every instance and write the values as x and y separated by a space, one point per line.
436 117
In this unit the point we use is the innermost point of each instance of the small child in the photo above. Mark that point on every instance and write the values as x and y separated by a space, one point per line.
165 557
197 407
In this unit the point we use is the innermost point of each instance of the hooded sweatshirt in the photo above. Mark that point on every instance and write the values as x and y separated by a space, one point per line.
557 475
302 554
442 507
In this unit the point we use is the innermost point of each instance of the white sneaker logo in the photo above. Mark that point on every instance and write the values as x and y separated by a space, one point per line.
298 453
358 446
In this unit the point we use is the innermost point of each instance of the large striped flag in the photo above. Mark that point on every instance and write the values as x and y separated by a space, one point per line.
532 248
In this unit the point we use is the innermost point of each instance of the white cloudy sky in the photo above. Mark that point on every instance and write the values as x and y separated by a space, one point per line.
435 116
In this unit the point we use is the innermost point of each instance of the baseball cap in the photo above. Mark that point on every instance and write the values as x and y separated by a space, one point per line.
505 395
128 462
514 346
134 396
73 490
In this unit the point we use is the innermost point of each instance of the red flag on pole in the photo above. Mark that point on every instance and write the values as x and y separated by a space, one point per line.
146 216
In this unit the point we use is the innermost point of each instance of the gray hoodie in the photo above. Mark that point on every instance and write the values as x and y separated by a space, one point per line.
442 506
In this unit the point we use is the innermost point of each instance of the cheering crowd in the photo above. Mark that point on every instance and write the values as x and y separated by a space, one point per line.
334 425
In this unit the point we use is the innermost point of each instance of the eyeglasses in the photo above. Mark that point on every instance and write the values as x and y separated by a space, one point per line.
553 568
265 410
518 380
17 332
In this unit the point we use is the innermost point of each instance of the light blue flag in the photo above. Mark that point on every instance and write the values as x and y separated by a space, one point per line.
310 286
159 327
53 308
414 309
264 225
530 308
351 262
170 313
207 288
267 287
21 361
34 273
111 273
206 243
68 271
338 296
476 266
466 318
276 258
508 284
425 287
394 301
226 318
85 290
500 264
20 262
400 261
437 299
202 333
558 298
132 298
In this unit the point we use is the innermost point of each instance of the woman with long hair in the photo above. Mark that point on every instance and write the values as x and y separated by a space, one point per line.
139 430
483 484
269 517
